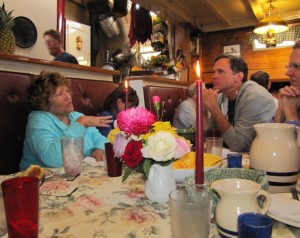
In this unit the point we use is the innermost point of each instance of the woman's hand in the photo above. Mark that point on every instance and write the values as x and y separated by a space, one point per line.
98 154
101 121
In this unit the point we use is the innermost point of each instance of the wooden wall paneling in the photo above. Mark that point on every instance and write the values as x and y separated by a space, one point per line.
270 60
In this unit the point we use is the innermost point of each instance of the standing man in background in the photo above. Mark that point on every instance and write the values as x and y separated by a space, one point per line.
53 41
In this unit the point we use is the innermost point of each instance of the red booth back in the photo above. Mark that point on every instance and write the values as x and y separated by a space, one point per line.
88 98
170 95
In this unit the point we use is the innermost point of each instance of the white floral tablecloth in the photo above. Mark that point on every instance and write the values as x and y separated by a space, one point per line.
95 205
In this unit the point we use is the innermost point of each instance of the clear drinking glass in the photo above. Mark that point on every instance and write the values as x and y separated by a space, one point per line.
214 145
73 154
190 212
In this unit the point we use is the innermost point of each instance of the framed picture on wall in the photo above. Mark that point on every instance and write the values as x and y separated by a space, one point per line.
232 49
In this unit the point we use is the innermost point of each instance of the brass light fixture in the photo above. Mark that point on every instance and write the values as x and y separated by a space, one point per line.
271 25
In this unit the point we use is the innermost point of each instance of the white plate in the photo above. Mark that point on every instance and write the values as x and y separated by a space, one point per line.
48 173
284 219
181 174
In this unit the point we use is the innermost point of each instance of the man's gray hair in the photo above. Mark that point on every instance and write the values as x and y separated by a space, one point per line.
192 90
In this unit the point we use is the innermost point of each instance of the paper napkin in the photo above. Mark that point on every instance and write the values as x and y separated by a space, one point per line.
284 206
92 161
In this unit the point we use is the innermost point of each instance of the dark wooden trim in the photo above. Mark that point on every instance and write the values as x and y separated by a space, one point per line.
60 25
19 58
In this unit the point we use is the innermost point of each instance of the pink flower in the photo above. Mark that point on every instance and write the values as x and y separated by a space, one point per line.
88 202
56 185
156 99
182 147
135 194
135 121
138 215
120 145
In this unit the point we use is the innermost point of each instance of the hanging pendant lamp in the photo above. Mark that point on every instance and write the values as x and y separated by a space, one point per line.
272 23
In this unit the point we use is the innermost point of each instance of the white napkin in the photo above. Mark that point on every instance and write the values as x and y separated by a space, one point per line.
92 161
285 209
283 206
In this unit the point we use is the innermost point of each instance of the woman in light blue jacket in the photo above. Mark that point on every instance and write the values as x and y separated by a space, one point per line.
53 117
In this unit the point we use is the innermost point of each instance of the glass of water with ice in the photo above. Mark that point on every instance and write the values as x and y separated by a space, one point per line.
73 154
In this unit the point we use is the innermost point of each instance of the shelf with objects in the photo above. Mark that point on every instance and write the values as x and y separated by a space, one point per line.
155 58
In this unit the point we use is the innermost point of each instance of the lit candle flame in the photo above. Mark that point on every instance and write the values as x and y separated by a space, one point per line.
126 84
198 72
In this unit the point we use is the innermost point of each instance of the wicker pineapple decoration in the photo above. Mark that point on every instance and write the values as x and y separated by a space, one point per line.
7 38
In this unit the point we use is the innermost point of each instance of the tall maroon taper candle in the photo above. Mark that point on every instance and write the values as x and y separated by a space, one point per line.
199 168
126 94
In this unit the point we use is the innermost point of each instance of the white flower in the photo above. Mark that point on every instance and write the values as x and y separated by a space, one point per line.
161 146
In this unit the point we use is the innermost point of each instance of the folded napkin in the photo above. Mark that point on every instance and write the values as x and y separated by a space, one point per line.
92 161
285 209
283 205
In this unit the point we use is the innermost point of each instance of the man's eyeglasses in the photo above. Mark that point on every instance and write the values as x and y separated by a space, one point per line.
293 66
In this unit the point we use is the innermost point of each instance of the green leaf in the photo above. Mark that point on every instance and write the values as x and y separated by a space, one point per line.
146 167
128 171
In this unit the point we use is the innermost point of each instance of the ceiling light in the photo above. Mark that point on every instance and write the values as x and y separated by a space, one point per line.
273 23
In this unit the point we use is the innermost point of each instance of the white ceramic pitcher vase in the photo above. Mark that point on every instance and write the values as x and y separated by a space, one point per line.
275 151
160 183
238 196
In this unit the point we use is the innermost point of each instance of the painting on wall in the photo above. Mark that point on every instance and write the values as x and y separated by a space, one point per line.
232 49
78 41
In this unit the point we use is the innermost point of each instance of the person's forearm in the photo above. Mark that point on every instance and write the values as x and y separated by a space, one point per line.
219 119
279 116
205 120
291 115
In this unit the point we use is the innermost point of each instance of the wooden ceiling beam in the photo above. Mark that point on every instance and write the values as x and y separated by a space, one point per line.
257 8
218 10
167 9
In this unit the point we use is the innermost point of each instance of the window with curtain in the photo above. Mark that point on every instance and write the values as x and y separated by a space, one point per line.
293 34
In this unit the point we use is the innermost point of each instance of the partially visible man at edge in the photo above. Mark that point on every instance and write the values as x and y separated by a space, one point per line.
289 96
234 104
53 41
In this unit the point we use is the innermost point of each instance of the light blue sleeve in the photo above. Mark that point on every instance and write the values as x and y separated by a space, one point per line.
97 140
92 139
43 137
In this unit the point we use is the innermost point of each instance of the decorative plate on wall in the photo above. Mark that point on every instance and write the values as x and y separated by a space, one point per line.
25 32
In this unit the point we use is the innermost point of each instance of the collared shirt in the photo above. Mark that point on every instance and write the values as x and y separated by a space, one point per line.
253 105
185 115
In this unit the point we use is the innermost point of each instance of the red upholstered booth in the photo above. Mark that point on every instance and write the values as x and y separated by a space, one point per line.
88 98
170 95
